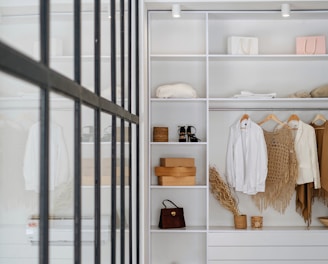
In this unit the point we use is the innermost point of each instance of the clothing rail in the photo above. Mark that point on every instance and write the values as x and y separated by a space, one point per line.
267 109
277 104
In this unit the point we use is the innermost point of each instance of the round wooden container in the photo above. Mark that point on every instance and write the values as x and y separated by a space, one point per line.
240 221
257 221
160 134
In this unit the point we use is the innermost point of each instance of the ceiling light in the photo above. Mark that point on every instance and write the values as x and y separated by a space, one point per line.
285 10
176 10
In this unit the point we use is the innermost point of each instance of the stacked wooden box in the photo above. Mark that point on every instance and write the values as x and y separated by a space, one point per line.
176 171
88 172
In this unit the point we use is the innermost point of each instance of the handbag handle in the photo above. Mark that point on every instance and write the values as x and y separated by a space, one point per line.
315 47
244 50
167 200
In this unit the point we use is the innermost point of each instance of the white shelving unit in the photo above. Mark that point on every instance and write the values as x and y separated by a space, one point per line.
193 49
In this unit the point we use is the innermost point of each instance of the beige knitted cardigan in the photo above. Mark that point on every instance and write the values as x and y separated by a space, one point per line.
282 171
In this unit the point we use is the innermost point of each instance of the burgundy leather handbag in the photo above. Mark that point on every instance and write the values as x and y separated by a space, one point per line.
171 217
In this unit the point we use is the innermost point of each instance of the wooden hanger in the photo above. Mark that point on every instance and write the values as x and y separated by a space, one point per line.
293 117
245 116
293 125
318 117
271 117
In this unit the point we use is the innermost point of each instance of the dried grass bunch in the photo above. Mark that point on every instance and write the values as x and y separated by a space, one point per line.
222 192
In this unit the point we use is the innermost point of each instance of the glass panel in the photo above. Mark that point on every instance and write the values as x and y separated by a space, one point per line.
106 69
61 42
127 192
88 189
126 56
106 172
105 51
118 55
19 26
133 181
61 182
118 192
87 45
123 191
19 109
19 171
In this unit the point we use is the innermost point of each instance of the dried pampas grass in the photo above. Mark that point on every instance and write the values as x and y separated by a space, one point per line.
222 192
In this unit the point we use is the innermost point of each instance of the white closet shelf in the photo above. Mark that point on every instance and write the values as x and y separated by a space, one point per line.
179 230
268 104
268 57
229 57
199 99
179 143
214 229
86 58
104 143
197 186
33 102
109 187
177 56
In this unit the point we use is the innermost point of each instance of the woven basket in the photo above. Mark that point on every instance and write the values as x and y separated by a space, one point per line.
160 134
257 221
240 221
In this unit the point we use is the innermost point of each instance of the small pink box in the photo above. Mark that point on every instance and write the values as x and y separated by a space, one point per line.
311 45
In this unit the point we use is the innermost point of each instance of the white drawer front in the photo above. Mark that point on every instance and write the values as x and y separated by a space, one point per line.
268 247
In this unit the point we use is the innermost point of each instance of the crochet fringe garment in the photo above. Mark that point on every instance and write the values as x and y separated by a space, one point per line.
282 171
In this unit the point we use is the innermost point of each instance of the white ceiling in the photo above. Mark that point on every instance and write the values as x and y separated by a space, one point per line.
12 7
236 5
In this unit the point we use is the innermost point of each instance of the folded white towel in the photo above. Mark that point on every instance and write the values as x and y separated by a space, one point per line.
178 90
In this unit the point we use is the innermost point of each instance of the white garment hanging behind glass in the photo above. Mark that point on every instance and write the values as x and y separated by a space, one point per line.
58 158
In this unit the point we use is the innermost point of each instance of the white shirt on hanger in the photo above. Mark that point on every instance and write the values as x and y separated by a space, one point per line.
247 159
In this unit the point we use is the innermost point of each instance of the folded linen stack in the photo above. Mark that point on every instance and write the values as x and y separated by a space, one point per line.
247 94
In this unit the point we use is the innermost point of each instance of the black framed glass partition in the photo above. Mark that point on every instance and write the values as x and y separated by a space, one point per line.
69 124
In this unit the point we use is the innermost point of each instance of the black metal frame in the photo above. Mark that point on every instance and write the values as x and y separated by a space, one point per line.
48 80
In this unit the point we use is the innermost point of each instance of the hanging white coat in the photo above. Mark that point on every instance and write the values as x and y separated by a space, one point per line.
306 153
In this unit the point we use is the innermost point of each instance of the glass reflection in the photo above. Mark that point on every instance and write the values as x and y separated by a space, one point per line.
19 193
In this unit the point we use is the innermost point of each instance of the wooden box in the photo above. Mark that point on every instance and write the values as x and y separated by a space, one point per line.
88 170
176 181
160 134
177 162
175 171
